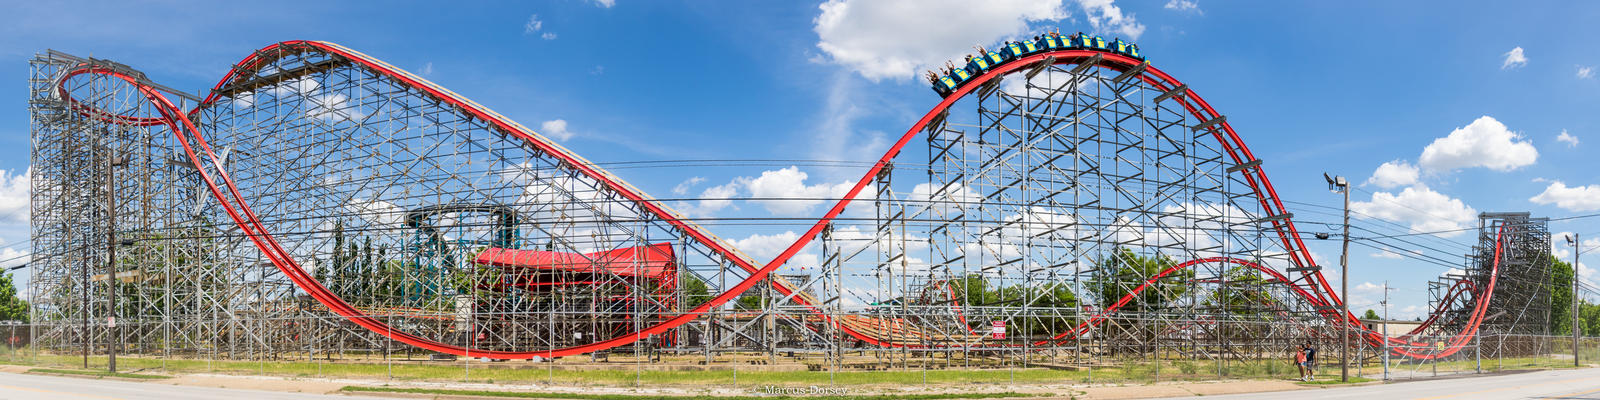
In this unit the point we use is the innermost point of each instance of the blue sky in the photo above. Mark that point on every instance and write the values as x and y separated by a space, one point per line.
1312 87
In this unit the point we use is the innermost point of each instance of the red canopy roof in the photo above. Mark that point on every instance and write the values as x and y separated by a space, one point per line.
652 261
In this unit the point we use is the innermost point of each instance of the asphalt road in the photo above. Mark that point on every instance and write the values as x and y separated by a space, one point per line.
1563 384
17 386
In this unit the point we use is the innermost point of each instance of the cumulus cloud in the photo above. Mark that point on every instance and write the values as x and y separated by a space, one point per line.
1563 250
1585 72
556 129
1394 174
764 248
1483 143
1387 253
784 192
1183 5
10 257
1105 16
379 213
1575 198
1564 137
14 189
548 36
1514 59
712 199
605 3
1424 209
334 107
894 39
533 25
683 188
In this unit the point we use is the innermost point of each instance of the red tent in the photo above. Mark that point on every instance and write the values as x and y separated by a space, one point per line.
651 262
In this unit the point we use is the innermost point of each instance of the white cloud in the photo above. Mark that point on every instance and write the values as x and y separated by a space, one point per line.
1105 16
334 106
1563 250
1183 5
1424 209
1368 287
1576 198
605 3
1564 137
1387 253
1558 245
1483 143
1514 59
1408 312
14 189
683 188
1394 174
427 69
1585 72
895 38
765 247
10 257
784 192
533 25
548 36
556 129
713 199
835 136
381 214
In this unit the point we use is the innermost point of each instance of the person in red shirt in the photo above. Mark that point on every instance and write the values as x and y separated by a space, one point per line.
1300 362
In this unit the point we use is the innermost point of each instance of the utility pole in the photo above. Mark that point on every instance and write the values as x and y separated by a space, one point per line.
1385 342
113 340
1577 247
1338 185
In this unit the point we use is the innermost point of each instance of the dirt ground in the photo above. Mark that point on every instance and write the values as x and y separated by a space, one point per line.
1097 392
1186 389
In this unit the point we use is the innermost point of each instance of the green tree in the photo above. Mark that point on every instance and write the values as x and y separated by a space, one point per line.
1560 297
1117 275
1243 295
1589 318
1051 305
12 308
749 301
695 291
1371 315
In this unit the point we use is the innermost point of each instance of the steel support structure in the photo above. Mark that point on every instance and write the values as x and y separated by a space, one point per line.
318 203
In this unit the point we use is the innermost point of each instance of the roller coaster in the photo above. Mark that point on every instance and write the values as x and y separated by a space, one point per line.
1078 200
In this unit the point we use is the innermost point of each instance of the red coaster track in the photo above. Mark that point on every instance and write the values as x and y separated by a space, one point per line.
1311 285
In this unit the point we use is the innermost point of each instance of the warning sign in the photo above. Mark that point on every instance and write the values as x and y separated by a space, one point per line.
997 329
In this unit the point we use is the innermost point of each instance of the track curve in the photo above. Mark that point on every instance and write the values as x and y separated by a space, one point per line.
1315 289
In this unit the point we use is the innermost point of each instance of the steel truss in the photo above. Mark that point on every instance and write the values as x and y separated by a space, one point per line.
1078 206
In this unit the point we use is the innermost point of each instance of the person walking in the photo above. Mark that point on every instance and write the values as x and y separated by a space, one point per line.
1311 361
1300 362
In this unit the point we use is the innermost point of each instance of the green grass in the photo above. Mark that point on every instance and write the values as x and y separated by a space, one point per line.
1169 370
526 395
527 373
96 373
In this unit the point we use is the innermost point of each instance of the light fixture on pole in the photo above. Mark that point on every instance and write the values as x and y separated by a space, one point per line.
1337 184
